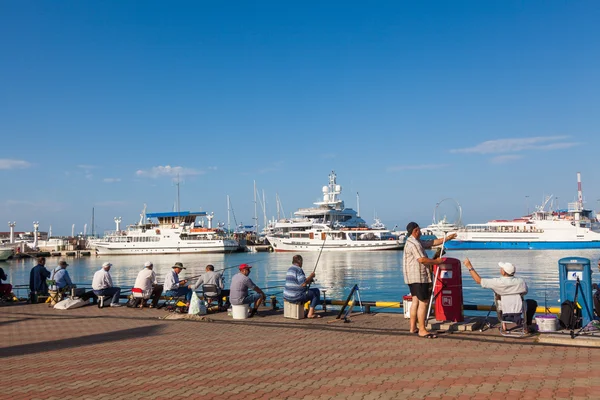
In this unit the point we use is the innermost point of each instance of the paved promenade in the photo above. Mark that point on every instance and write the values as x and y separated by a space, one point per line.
121 353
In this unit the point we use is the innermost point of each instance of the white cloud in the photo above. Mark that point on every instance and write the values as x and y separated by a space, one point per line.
505 158
86 166
167 170
7 163
542 143
111 180
397 168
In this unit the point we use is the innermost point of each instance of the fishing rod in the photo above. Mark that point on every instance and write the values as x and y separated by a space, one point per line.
317 263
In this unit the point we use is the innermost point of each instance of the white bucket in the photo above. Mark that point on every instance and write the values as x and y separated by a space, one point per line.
240 312
406 304
547 323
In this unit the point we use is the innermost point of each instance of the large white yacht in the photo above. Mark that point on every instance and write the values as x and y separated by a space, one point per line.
173 233
329 226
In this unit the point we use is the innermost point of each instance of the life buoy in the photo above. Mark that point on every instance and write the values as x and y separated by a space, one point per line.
391 239
158 231
173 226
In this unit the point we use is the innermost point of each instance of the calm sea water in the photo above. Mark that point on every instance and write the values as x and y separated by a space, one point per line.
378 274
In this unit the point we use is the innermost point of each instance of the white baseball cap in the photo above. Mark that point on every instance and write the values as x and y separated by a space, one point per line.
148 264
508 267
106 264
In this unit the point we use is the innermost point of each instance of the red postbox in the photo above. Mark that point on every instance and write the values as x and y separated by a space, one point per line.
447 291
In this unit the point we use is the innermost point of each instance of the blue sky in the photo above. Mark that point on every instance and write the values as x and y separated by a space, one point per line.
103 103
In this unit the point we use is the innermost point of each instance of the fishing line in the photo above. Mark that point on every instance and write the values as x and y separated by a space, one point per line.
440 218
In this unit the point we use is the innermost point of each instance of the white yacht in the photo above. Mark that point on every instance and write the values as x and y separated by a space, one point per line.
6 252
329 226
172 233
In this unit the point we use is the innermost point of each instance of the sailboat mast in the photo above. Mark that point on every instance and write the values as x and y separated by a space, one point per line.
93 222
264 210
357 205
178 205
255 212
277 201
228 220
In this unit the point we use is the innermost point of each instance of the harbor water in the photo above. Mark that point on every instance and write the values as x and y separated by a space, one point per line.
378 274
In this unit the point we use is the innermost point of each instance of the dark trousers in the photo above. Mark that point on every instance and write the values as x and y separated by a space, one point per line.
155 296
531 308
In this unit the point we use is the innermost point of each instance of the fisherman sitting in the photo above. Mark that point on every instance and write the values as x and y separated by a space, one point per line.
210 277
37 280
296 287
146 282
5 288
240 283
507 284
174 287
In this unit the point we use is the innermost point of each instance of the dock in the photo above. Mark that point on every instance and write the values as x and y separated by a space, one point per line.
144 354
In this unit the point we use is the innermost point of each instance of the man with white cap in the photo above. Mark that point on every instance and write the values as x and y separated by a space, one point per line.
146 282
505 285
103 286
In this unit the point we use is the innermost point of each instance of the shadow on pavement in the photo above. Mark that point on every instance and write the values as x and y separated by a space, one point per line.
42 347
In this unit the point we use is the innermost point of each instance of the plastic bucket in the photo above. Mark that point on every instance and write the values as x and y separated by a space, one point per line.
406 304
547 323
240 312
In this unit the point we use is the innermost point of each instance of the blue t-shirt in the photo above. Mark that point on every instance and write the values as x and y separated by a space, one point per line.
293 290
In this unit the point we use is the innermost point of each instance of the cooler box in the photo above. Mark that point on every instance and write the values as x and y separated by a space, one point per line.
293 310
448 291
406 304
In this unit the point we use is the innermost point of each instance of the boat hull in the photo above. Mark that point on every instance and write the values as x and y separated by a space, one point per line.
5 254
227 246
281 245
512 245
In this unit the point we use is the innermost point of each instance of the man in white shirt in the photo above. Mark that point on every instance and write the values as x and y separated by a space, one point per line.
174 287
507 284
146 281
103 286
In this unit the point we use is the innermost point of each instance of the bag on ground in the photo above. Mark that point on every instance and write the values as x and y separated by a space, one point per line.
194 305
68 304
570 315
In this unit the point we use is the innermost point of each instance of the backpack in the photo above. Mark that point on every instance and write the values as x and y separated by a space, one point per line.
570 315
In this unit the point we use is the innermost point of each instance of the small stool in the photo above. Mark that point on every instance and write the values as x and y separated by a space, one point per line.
240 312
101 300
293 310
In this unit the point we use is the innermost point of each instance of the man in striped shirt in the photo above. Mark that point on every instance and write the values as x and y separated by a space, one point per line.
296 285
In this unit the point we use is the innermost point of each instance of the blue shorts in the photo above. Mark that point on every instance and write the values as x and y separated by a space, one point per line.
251 298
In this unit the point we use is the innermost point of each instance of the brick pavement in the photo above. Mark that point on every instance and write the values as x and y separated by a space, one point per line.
116 353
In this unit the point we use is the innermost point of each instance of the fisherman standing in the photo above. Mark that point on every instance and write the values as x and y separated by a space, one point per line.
417 275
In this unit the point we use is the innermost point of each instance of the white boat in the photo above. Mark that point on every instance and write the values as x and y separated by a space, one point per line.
6 252
572 228
329 226
173 233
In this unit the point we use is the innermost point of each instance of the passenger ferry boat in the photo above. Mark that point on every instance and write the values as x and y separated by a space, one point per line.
173 233
573 228
329 226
